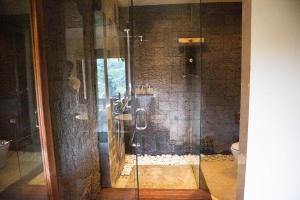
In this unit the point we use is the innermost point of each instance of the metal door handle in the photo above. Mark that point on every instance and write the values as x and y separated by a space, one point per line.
132 143
140 113
37 125
12 121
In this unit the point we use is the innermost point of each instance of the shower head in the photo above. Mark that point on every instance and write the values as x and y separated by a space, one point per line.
191 41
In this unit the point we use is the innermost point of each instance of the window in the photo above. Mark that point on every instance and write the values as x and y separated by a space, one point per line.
116 77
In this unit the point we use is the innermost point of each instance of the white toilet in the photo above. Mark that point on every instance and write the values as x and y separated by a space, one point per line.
235 150
4 146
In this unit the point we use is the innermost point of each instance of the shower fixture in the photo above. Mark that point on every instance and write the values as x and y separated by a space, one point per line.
190 48
142 38
191 41
127 31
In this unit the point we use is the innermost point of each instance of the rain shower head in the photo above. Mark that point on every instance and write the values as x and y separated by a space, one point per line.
191 41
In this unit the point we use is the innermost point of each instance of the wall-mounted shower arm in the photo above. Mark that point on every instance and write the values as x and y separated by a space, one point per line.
127 31
141 38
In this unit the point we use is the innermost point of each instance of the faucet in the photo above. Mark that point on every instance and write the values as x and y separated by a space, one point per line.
121 106
125 102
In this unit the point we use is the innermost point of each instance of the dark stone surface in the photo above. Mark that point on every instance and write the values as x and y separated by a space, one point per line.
76 142
221 73
179 102
160 62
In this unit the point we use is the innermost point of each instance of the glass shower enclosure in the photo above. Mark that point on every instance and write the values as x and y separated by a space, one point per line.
142 89
148 94
166 67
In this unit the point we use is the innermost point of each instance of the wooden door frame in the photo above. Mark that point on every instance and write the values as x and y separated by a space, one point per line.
42 99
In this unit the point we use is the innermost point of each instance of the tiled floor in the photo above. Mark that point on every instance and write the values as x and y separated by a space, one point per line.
159 172
151 194
38 180
163 177
20 166
219 172
25 192
160 177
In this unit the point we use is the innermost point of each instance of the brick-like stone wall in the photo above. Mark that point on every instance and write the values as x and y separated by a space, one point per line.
221 72
160 62
174 111
75 140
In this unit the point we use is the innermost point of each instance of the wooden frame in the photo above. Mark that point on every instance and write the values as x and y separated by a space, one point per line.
42 97
245 81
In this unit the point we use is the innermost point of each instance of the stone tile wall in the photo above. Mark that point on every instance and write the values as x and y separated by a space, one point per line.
221 73
75 140
174 111
160 62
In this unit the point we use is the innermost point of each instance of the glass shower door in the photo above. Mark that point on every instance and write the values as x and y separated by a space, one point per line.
166 59
115 113
21 164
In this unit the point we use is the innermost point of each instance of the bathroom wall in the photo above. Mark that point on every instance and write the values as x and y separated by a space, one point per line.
221 73
160 62
69 40
174 110
272 167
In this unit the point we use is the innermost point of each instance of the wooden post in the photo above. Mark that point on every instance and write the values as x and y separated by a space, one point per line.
42 96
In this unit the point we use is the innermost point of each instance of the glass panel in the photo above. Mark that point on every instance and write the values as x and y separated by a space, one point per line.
20 148
86 49
71 55
167 94
114 114
186 77
220 95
